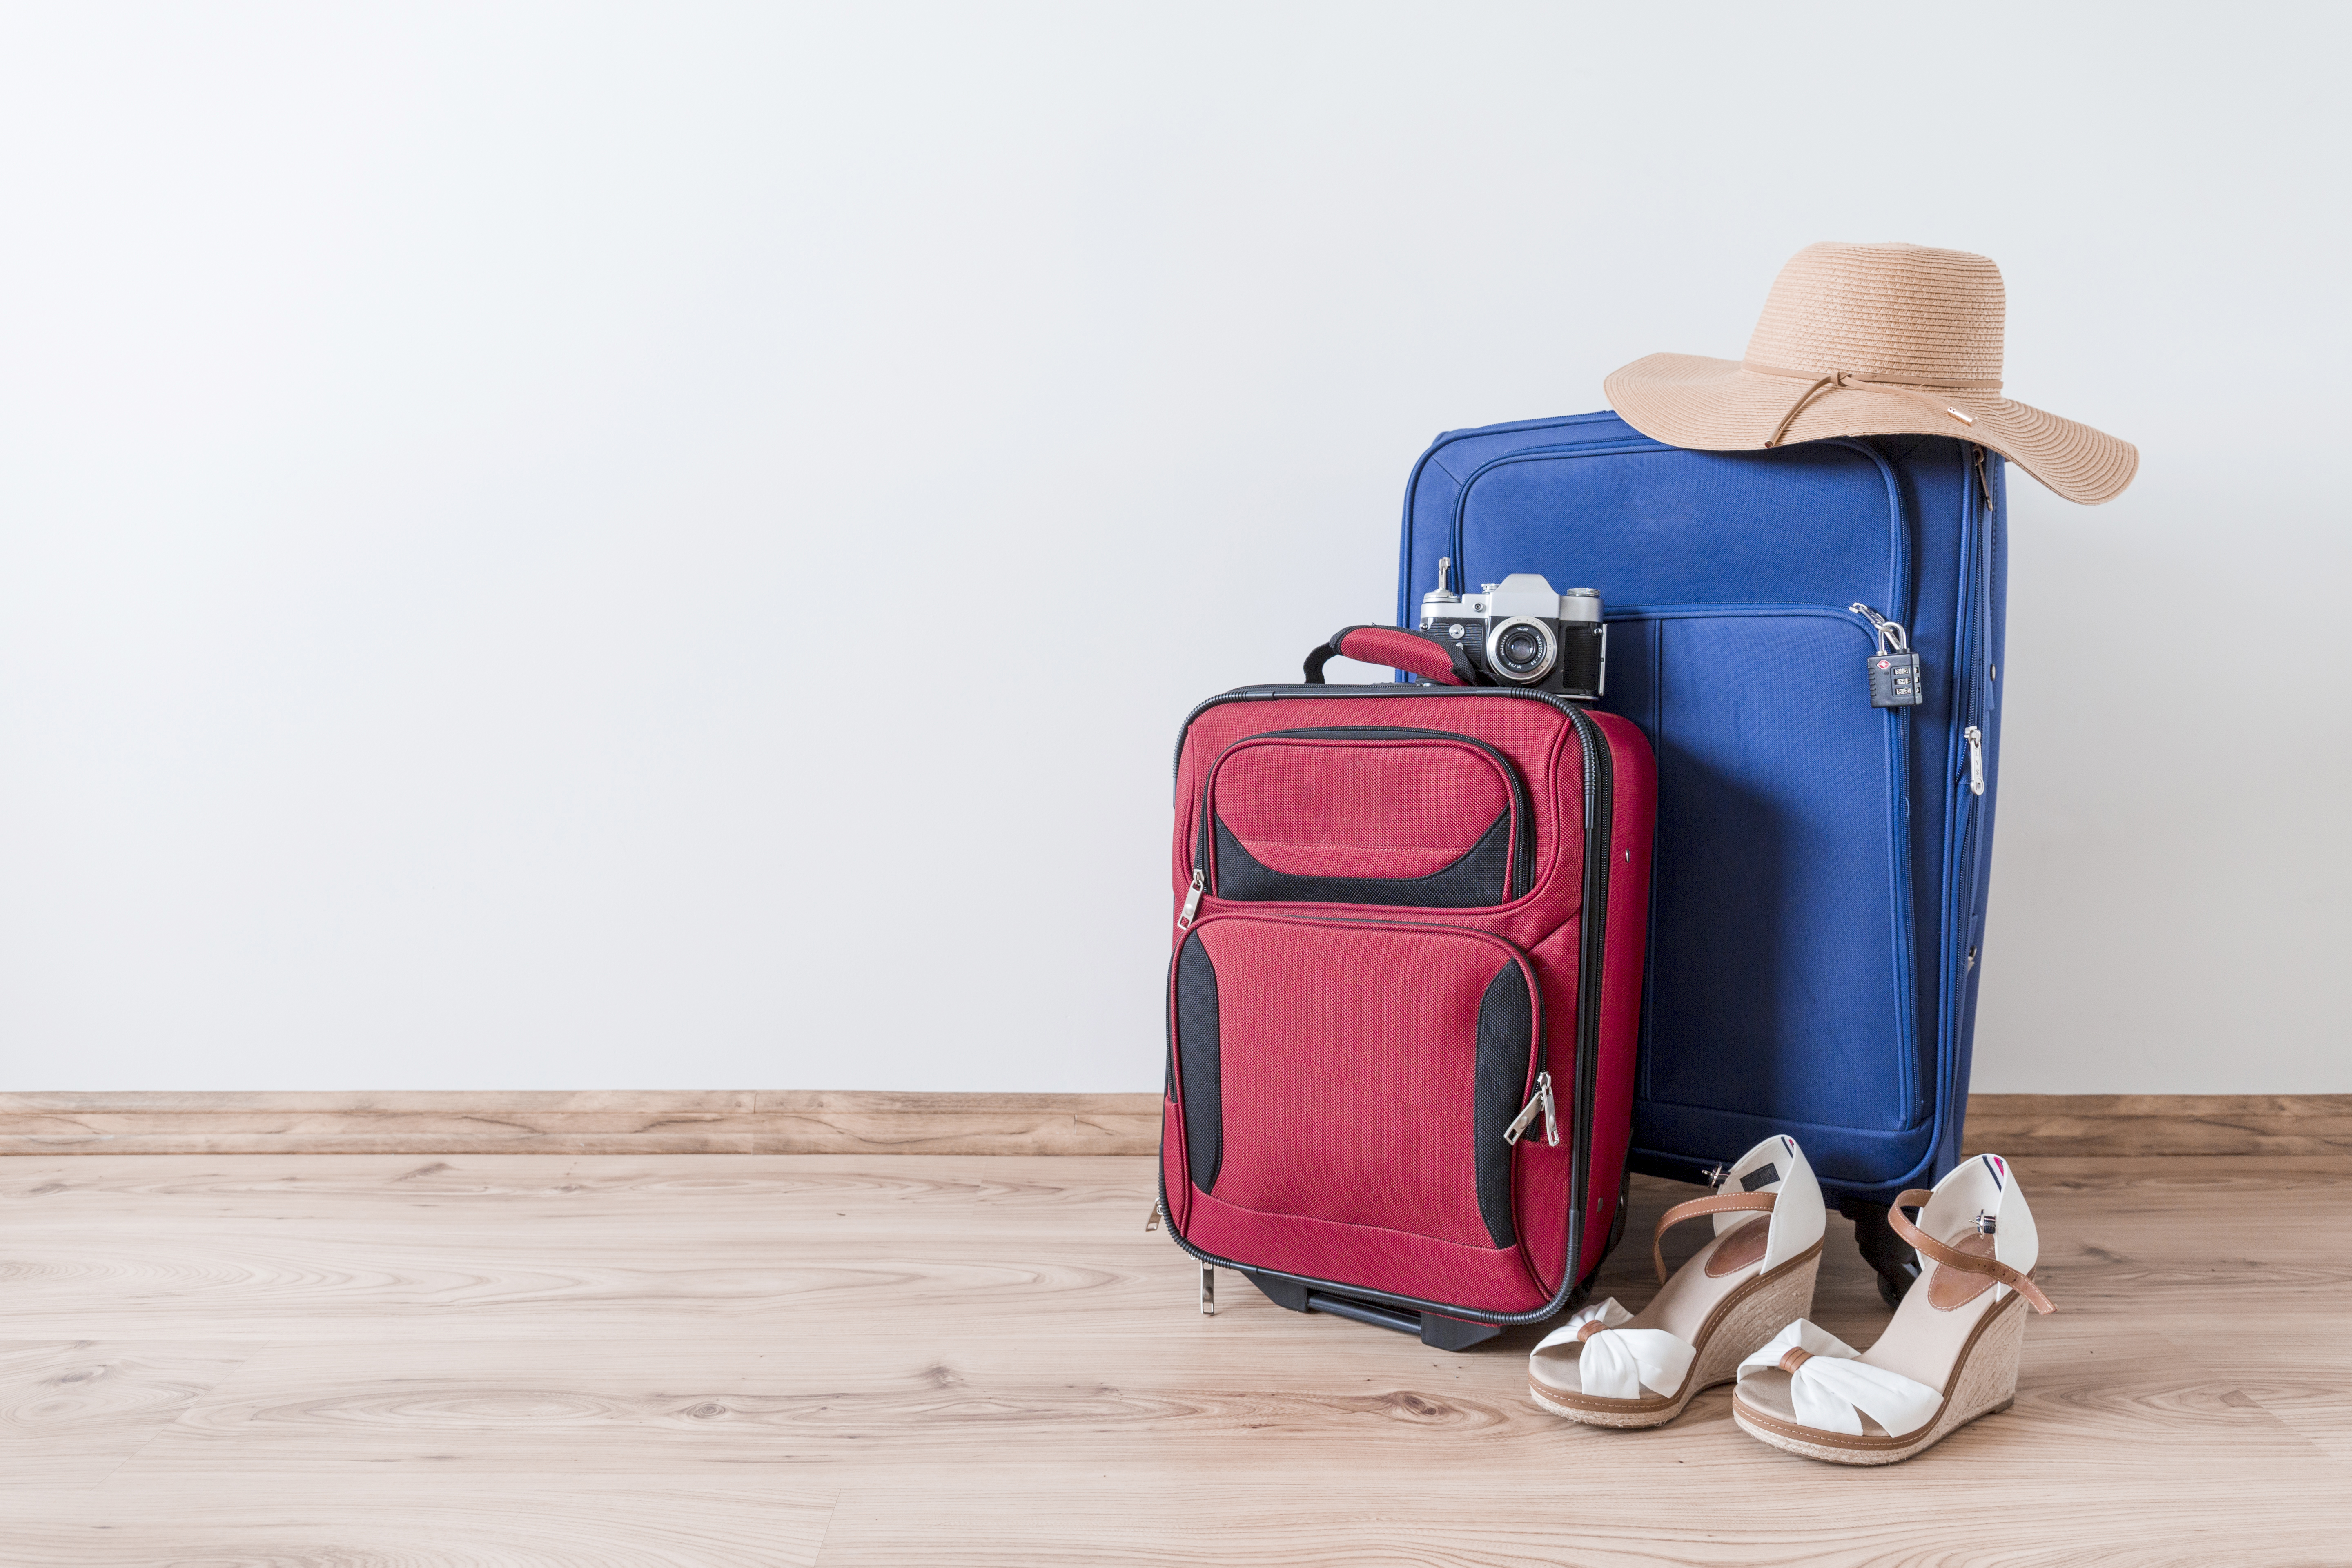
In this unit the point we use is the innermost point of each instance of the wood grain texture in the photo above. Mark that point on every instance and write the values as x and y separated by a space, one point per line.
70 1412
742 1121
867 1360
749 1121
2140 1124
403 1521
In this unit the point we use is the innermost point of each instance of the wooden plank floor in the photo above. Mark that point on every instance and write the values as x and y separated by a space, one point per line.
725 1360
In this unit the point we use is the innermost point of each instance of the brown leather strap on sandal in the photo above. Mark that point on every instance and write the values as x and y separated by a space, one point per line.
1727 1203
1936 1251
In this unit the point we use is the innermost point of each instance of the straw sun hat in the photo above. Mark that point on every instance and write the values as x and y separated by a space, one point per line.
1871 339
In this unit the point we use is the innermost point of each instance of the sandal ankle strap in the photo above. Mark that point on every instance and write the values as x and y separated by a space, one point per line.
1725 1203
1927 1247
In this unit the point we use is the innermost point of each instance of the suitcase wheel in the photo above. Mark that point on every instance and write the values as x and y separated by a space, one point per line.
1896 1265
1891 1287
1624 1200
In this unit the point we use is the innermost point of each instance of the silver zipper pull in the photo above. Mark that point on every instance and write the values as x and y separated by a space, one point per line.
1976 759
1153 1223
1541 1103
1208 1291
1193 900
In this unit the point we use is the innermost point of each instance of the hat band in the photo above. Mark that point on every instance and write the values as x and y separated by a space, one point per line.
1823 383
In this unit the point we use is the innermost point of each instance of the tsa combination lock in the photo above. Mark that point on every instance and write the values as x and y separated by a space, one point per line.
1894 679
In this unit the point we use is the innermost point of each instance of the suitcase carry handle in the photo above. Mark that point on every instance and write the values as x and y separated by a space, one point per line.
1399 649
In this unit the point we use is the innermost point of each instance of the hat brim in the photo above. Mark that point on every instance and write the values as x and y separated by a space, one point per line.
1720 406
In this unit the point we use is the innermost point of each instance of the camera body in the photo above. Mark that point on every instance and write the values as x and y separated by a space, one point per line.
1518 632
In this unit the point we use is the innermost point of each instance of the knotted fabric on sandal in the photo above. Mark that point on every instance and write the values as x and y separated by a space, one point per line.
1831 1387
1609 1367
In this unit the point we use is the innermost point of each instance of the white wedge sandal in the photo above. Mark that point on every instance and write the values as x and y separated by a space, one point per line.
1607 1367
1949 1356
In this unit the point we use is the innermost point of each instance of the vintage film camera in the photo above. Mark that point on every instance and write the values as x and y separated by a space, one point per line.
1518 632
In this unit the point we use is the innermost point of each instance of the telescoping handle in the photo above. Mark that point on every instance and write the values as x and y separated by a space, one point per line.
1397 648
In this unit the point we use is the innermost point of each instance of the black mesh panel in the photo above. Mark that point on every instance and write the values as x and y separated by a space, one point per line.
1196 1050
1505 1036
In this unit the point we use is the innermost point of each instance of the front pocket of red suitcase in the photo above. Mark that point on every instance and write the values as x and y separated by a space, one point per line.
1347 1090
1365 815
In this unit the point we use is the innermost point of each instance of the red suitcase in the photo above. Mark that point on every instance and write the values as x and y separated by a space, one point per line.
1406 991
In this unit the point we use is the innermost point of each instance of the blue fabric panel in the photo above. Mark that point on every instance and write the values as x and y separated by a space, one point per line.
1821 864
1646 526
1777 804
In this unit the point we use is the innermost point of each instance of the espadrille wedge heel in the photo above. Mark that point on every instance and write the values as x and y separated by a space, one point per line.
1949 1356
1607 1367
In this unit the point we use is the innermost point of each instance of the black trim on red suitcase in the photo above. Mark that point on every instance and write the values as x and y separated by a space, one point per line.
1197 1041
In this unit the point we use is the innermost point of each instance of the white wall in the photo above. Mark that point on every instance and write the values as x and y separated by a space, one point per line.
664 546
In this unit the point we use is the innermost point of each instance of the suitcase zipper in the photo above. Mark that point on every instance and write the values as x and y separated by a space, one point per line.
1976 650
1192 899
1975 665
1541 1102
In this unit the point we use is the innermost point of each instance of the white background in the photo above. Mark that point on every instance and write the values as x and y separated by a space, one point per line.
664 546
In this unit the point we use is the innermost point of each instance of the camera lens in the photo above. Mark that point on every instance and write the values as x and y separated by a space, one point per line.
1522 649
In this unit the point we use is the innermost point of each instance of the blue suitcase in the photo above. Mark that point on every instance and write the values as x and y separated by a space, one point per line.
1818 895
